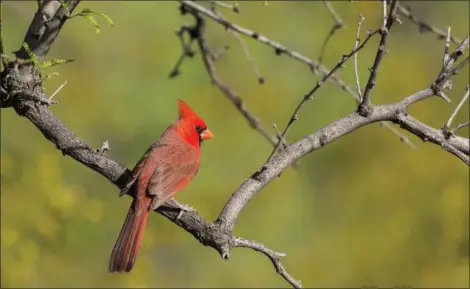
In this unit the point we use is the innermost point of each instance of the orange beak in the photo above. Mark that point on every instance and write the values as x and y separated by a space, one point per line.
207 134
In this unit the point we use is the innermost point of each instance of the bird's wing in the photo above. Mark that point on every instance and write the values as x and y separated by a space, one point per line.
138 167
175 169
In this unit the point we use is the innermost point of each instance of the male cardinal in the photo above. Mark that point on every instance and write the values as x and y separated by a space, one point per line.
166 167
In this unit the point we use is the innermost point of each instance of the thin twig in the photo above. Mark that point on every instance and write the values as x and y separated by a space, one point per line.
384 16
226 5
57 90
459 67
456 110
308 96
459 126
402 137
423 26
185 47
358 40
227 90
315 67
279 135
446 48
385 31
446 72
275 258
1 30
246 51
457 53
443 80
336 26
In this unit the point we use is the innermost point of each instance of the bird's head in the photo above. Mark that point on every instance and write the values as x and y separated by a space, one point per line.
193 128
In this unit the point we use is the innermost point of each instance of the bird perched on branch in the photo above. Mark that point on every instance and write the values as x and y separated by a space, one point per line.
166 167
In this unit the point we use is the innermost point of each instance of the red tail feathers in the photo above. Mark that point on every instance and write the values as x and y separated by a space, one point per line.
128 243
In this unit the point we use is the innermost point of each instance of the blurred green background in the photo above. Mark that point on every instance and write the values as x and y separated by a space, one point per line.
365 210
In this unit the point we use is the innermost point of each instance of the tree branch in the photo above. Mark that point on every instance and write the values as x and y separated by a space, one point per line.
308 96
457 108
45 27
385 31
1 36
336 26
395 112
197 33
218 234
280 49
356 44
423 26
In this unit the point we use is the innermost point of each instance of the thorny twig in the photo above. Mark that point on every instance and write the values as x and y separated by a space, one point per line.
443 80
198 31
385 31
308 96
336 26
316 67
423 26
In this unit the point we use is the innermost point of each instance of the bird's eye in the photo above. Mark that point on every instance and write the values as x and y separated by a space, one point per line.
198 128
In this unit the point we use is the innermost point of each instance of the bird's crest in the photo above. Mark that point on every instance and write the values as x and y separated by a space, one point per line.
184 110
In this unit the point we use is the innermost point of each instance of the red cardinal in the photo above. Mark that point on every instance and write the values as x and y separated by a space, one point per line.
167 167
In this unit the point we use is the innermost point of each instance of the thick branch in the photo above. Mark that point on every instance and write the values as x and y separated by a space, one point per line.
395 112
23 85
218 234
45 27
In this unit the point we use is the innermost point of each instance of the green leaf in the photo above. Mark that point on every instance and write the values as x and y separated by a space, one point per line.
31 55
106 18
54 62
93 22
87 13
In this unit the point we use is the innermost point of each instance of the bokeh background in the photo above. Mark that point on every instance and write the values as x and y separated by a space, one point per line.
365 210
